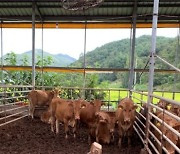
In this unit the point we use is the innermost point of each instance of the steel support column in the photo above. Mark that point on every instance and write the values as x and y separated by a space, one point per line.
33 45
84 63
151 67
131 73
2 63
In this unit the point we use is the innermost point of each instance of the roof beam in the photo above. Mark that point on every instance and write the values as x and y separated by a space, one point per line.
89 25
100 18
81 70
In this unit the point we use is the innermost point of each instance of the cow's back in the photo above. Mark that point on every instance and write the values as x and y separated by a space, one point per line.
39 97
62 109
87 114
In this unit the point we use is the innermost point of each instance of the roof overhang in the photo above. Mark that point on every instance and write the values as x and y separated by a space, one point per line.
110 14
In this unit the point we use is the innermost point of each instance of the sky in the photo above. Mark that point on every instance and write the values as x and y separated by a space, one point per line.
69 41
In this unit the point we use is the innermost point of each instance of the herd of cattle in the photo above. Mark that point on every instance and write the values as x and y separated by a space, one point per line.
101 124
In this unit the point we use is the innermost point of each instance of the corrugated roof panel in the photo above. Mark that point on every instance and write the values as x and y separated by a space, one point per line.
109 9
173 11
144 11
3 12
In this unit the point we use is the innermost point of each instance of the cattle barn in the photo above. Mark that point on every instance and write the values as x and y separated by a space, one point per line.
156 127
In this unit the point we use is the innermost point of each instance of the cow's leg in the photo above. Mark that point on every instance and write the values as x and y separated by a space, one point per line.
129 144
74 129
31 110
97 138
89 135
52 123
129 141
66 128
112 137
57 126
119 142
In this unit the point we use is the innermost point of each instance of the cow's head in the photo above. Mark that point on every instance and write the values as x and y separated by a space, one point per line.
78 105
175 109
46 117
101 117
163 104
55 93
128 110
97 104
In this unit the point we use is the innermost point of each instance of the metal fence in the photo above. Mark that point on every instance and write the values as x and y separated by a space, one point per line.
13 103
14 106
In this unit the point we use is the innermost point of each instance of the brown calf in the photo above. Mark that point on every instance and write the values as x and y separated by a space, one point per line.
125 115
65 111
40 98
88 117
103 128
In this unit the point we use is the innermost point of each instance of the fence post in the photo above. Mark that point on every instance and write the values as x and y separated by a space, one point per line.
151 67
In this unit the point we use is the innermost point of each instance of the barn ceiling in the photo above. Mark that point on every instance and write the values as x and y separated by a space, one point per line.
109 12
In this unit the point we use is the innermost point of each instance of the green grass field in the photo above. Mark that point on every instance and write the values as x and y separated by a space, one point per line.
114 96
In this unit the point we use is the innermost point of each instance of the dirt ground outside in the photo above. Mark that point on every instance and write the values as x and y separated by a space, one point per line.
28 136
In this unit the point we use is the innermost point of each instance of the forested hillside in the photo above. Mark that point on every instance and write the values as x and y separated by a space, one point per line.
112 55
116 55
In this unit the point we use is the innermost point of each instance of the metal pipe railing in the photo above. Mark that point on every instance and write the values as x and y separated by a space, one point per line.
12 115
8 110
140 122
156 137
165 124
166 138
166 111
172 66
13 120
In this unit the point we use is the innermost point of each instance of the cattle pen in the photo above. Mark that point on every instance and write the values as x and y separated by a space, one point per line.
20 134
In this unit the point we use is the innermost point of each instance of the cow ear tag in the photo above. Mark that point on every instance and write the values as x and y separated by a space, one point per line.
158 124
168 107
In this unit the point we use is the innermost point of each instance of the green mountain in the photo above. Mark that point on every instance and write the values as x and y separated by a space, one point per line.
116 55
58 60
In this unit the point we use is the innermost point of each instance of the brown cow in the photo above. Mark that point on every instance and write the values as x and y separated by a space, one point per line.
65 111
103 127
125 115
173 137
87 116
175 109
40 98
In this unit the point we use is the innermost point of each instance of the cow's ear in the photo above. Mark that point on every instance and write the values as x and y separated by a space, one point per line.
103 103
83 105
120 106
135 106
91 102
